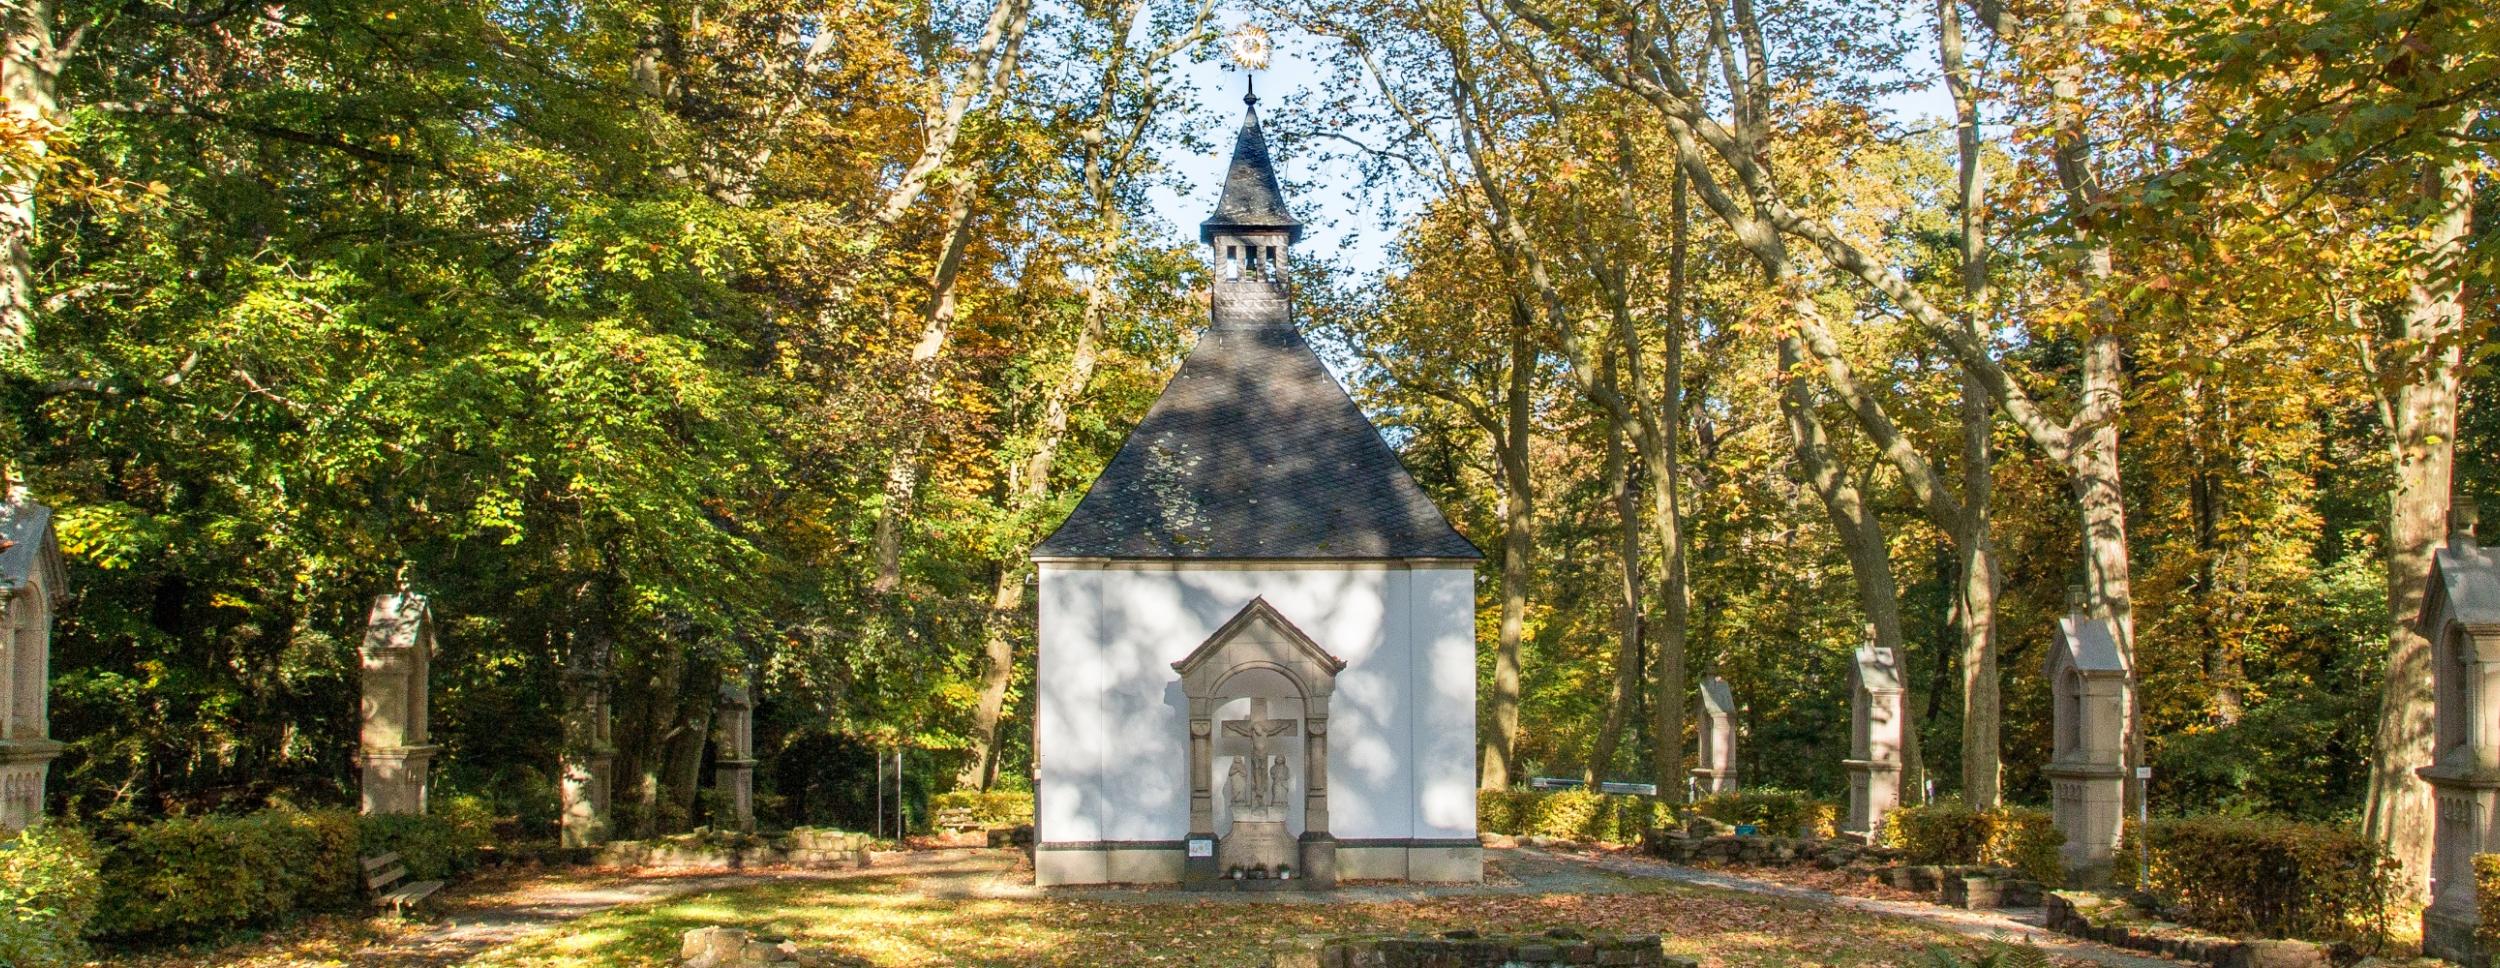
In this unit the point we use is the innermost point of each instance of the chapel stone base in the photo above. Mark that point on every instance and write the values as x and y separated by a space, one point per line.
2467 801
1709 782
24 764
395 779
2089 804
1874 790
1326 863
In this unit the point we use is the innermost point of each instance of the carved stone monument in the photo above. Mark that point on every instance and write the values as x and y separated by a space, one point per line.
1260 656
1717 770
2090 686
396 749
1875 737
588 762
734 770
33 587
2461 617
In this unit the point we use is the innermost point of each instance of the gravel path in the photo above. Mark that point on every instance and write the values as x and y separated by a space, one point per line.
2010 924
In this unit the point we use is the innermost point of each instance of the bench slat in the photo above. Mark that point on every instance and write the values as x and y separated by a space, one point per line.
381 860
410 895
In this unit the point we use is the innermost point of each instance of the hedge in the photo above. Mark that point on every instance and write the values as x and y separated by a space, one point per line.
1950 832
1568 814
993 808
190 878
2487 899
1779 813
2275 878
48 890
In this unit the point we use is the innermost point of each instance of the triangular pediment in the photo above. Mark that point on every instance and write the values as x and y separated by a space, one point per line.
1258 635
2089 645
30 553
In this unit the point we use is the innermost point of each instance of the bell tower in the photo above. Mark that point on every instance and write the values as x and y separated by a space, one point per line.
1251 235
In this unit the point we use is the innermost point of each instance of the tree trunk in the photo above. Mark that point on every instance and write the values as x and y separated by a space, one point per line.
1974 545
1627 606
1518 544
30 70
1662 427
2424 442
937 324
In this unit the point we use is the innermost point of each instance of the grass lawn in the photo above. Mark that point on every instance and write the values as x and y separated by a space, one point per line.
890 921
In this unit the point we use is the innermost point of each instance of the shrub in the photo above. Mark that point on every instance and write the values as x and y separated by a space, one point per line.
1949 832
991 808
2487 898
435 846
2275 878
188 878
48 890
1568 814
1782 813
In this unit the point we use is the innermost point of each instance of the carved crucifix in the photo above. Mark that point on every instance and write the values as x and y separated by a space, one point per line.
1262 791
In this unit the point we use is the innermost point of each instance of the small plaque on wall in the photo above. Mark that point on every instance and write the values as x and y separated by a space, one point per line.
1201 847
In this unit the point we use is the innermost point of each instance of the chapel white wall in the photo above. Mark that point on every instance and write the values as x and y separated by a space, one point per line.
1111 731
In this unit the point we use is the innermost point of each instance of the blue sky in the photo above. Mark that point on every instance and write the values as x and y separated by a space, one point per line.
1338 225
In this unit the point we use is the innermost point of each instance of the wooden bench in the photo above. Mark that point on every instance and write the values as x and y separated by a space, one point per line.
957 818
387 880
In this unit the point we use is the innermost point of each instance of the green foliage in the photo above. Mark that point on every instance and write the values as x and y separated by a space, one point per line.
1569 814
444 843
2276 878
1784 813
48 893
1950 832
189 878
990 808
2487 898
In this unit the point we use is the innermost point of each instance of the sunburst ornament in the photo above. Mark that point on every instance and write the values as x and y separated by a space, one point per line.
1249 47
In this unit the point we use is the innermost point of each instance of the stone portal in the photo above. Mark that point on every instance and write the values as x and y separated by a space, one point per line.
33 587
2461 617
1259 651
1717 770
1875 735
2087 771
396 748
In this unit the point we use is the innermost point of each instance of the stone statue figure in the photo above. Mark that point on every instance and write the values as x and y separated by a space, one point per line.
1237 787
1279 782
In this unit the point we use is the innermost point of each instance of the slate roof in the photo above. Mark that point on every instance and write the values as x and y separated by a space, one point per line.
1253 451
1251 196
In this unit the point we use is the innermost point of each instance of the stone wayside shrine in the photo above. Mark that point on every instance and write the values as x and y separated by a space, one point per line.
2461 618
2088 683
733 768
1875 737
395 748
33 586
1257 634
1717 772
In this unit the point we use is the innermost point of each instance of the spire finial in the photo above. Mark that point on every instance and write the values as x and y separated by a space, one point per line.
1250 88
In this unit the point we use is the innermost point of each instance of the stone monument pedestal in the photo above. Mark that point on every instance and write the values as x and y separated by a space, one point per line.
2091 687
1257 845
2461 618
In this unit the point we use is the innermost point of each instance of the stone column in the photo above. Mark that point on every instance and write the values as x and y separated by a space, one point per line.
1716 772
1319 847
33 586
1198 852
589 759
2461 618
396 749
734 770
2089 686
1875 735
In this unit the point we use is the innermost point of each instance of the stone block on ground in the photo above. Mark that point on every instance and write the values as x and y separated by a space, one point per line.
1469 949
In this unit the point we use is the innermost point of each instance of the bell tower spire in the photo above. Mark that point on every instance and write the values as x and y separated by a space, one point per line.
1251 234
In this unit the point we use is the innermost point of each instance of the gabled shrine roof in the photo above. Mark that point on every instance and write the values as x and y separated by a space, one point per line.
30 554
2090 642
2466 578
1716 697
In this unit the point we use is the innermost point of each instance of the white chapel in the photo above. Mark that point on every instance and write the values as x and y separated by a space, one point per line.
1257 633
